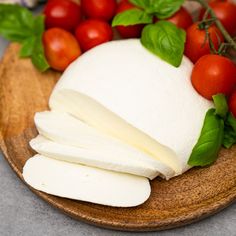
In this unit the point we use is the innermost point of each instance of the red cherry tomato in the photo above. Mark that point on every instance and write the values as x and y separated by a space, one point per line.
61 48
214 74
99 9
181 18
219 1
133 31
196 44
93 32
232 103
226 12
64 14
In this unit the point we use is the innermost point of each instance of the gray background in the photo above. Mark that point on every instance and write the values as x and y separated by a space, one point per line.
23 213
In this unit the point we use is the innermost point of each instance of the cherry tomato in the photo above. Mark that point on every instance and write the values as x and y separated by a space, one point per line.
64 14
232 103
181 18
226 13
133 31
214 74
61 48
93 32
99 9
218 1
196 44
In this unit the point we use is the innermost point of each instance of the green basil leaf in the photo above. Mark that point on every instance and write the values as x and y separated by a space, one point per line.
205 152
141 3
13 32
231 121
13 11
38 57
162 9
39 24
27 47
221 105
16 23
165 40
132 17
165 8
229 138
229 131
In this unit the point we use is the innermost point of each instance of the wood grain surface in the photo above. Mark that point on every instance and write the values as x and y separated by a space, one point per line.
182 200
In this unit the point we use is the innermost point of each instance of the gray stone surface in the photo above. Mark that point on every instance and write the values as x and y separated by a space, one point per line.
24 214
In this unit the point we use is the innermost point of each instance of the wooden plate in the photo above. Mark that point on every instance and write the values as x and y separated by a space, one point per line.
182 200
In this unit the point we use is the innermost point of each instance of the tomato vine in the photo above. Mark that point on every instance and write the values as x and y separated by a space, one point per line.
209 10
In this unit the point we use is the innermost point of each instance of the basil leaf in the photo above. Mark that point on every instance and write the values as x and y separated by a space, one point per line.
231 121
28 44
27 47
38 58
221 105
229 138
18 24
141 3
12 12
39 24
165 40
229 131
13 32
132 17
165 8
206 150
162 9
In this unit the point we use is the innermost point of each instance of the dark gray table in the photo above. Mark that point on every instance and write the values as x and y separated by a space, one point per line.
24 214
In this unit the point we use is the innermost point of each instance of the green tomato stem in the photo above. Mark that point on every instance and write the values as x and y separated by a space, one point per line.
224 32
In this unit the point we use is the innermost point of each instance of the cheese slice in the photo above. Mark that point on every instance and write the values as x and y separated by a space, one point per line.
125 91
74 141
85 183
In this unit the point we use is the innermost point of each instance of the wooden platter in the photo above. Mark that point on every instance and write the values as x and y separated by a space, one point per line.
180 201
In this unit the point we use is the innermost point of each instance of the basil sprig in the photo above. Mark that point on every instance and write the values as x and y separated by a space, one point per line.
208 145
219 128
222 110
163 39
162 9
230 131
18 24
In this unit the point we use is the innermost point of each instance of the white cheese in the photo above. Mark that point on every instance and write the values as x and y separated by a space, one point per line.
74 141
84 183
127 92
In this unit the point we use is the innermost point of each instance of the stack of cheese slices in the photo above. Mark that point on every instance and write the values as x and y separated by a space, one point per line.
119 116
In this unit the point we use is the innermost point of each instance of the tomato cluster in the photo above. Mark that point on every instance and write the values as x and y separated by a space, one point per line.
74 28
213 73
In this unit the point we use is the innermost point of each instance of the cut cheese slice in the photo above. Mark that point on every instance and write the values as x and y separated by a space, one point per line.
127 92
116 160
74 141
84 183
